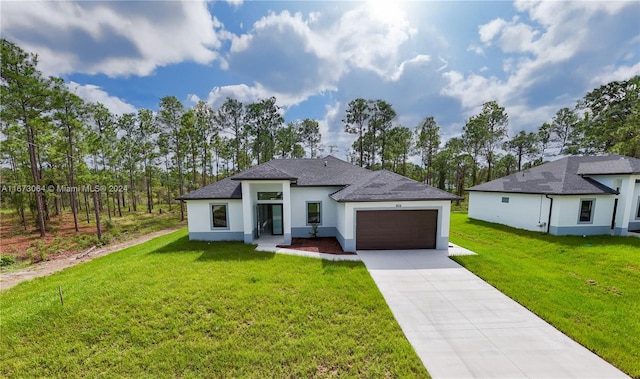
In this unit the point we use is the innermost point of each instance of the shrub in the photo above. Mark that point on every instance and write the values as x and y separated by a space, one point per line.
7 260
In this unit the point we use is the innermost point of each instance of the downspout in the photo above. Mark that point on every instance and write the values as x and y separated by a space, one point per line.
550 210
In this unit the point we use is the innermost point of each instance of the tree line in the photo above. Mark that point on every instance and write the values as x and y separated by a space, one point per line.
143 159
605 120
136 160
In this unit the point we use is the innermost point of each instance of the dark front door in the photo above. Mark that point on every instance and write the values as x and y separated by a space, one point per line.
395 229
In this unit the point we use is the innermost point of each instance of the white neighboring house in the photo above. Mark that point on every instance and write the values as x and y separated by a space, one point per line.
363 209
576 195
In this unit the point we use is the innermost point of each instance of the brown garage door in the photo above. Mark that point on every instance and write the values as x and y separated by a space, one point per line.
393 229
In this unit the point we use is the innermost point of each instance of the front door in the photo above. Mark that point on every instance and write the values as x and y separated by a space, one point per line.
276 219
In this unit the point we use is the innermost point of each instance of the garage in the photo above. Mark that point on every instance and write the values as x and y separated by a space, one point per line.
396 229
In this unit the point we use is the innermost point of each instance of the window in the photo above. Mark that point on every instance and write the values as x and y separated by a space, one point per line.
313 212
269 195
638 212
505 200
586 211
219 216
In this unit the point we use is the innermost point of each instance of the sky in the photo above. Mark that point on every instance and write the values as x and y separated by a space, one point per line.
426 58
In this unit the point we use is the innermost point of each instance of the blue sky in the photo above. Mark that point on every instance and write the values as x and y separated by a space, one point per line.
426 58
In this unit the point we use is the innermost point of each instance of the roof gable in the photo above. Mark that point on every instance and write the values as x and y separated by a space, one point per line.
566 176
384 185
224 189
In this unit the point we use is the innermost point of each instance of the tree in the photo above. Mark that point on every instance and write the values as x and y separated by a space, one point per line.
495 120
474 135
171 118
146 135
263 119
428 144
230 117
129 152
399 147
287 139
25 96
506 165
543 139
563 130
309 132
522 144
612 122
355 123
103 140
69 113
382 114
206 130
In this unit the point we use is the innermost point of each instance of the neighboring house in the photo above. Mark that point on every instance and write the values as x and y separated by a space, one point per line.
363 209
574 195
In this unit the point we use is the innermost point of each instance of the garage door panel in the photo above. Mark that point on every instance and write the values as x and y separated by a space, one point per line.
396 229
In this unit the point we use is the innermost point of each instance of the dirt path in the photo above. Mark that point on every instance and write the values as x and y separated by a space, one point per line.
10 279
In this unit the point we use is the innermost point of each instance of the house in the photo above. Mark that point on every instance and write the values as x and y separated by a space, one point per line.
576 195
363 209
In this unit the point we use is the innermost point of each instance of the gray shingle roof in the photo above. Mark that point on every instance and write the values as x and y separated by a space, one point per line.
306 172
224 189
361 184
566 176
386 186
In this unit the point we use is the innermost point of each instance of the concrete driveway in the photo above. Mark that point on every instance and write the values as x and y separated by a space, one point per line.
461 327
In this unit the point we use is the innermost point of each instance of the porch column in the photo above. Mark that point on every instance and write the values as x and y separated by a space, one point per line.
247 212
625 213
286 211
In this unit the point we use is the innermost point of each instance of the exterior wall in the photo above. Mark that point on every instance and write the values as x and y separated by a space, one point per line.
347 236
626 214
523 211
566 210
200 221
300 196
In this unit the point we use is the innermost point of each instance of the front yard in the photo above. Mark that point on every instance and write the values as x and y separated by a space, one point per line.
174 308
587 287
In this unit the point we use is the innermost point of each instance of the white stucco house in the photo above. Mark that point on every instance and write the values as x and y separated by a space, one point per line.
576 195
363 209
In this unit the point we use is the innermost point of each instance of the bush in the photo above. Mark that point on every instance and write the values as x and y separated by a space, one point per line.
7 260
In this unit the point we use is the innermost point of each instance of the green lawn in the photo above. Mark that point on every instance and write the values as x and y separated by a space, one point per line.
588 287
174 308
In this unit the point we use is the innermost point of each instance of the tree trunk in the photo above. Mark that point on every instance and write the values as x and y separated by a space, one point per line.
36 177
86 206
148 184
97 212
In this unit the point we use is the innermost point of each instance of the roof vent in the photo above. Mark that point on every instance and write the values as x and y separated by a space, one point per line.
325 163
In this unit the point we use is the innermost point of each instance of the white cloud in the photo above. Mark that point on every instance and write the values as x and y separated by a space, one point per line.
113 38
95 94
535 50
235 3
612 73
490 30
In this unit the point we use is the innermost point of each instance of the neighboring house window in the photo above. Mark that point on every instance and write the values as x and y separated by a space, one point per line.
269 195
313 212
505 199
219 216
586 211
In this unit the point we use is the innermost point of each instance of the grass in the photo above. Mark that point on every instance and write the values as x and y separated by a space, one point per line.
174 308
587 287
